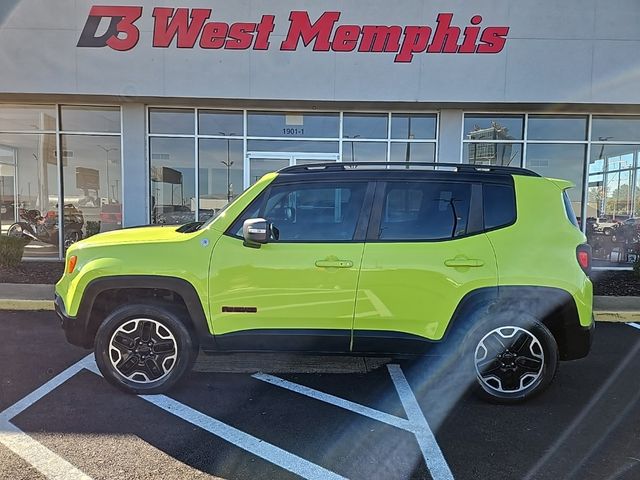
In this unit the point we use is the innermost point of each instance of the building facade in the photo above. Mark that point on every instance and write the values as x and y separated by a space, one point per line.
115 116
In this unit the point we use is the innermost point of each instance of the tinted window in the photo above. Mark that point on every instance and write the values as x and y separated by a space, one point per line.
425 211
571 215
310 213
499 205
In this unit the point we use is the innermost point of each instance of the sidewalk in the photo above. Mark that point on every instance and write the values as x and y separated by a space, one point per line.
16 296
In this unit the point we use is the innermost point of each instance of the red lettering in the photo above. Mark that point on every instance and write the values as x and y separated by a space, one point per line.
179 26
493 40
445 38
378 38
415 40
470 36
264 29
345 38
240 36
300 28
214 35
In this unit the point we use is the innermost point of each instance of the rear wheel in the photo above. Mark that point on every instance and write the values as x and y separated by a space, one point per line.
71 237
144 349
515 357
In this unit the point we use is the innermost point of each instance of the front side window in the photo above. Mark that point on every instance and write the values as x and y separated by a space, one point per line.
425 211
321 212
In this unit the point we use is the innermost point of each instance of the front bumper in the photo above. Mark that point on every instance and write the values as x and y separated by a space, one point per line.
74 328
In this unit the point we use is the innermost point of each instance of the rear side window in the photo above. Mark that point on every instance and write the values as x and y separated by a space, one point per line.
425 211
499 204
571 215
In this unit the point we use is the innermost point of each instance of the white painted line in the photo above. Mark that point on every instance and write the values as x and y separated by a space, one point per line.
46 388
258 447
436 463
269 452
417 423
634 325
51 465
37 455
337 401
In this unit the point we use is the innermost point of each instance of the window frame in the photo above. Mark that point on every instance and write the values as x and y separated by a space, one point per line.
362 222
58 131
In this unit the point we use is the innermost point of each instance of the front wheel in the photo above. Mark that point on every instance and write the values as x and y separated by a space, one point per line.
144 349
17 231
515 357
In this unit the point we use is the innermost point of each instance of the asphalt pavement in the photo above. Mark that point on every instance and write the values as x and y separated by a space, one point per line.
348 418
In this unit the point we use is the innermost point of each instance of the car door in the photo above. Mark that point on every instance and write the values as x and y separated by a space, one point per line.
297 292
425 251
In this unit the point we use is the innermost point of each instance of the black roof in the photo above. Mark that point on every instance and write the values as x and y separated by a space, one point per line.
385 168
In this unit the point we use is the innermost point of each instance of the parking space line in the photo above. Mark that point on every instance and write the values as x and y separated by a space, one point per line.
254 445
51 465
34 453
436 463
337 401
417 423
46 388
249 443
634 325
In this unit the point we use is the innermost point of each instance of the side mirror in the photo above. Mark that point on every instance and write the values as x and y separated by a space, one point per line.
256 231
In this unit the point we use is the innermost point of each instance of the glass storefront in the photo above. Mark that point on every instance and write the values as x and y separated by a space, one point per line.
604 168
65 162
232 149
49 149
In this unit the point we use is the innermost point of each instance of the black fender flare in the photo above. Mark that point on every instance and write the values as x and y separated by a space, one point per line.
554 307
180 286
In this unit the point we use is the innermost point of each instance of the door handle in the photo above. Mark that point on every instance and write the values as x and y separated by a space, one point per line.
463 262
334 263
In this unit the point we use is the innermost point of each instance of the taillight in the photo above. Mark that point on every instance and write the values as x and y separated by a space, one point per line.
583 254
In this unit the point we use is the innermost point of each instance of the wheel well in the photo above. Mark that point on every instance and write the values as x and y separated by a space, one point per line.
559 314
554 307
108 300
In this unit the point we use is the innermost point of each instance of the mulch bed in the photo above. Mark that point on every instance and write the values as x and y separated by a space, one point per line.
615 283
32 272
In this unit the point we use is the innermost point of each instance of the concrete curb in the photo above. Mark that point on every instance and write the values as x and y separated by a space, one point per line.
19 304
620 316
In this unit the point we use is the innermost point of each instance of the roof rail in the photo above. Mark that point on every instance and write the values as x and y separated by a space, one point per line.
459 167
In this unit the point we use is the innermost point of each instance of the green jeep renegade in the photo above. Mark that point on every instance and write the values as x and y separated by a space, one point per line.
355 258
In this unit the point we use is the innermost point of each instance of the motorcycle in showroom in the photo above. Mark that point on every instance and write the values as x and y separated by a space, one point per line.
34 226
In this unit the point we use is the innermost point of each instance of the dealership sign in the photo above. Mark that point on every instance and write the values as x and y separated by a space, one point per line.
195 28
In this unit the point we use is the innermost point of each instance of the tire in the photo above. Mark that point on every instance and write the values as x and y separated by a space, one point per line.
514 357
145 349
71 237
17 231
607 231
